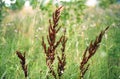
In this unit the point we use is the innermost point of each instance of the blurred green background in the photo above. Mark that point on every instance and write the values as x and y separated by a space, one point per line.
22 27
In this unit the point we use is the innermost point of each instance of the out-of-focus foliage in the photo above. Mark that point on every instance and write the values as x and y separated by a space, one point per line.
17 5
1 10
106 3
114 51
69 7
71 10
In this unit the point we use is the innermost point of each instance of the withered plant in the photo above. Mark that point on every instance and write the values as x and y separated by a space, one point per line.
89 52
23 62
53 44
62 59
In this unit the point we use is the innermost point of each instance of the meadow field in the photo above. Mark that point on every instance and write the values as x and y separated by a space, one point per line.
23 31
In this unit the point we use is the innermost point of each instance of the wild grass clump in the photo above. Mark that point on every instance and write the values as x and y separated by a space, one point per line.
50 51
89 52
23 62
62 59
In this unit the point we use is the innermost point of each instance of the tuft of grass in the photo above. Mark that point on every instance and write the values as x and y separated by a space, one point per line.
89 52
62 60
23 62
53 44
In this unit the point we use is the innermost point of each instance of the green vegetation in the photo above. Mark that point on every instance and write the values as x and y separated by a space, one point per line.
106 3
24 33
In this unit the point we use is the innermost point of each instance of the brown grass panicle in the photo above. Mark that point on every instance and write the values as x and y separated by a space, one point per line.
51 38
89 52
23 62
62 59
